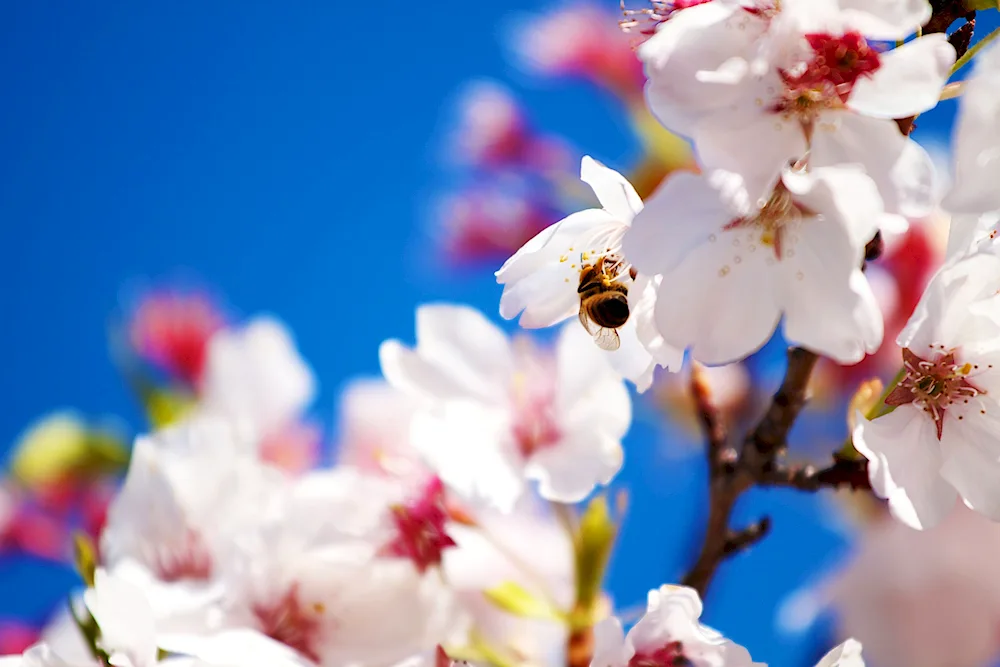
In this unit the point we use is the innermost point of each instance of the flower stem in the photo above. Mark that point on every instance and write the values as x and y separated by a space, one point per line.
973 50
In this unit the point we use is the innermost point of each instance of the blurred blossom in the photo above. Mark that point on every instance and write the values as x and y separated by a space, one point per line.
190 490
555 417
530 549
295 448
489 224
923 598
375 420
314 575
171 330
493 132
15 637
255 376
582 40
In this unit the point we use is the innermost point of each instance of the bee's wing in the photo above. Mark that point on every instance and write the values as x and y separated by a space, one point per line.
588 326
607 339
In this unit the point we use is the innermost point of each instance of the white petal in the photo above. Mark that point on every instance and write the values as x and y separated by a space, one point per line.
847 654
256 374
902 170
609 645
679 216
125 618
968 230
696 62
616 194
976 147
947 311
972 462
468 347
908 81
407 371
755 144
847 198
723 309
885 19
544 298
664 354
904 466
828 305
467 445
569 472
589 393
672 615
547 246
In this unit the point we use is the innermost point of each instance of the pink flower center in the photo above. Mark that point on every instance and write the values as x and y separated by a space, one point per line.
189 559
668 655
290 622
826 80
420 528
935 385
172 331
534 404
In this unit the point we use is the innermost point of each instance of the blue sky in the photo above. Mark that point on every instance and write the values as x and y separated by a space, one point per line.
286 154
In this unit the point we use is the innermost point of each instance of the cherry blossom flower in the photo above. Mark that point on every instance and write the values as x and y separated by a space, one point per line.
668 634
974 200
940 442
542 280
497 413
754 87
255 375
316 577
489 222
922 599
493 132
492 548
581 40
529 548
374 421
732 269
190 490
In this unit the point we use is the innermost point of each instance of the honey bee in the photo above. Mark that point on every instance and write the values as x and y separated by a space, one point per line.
603 302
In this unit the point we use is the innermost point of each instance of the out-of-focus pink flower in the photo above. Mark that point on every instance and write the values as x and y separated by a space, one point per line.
294 448
171 330
643 21
483 224
16 637
493 132
924 598
582 40
374 432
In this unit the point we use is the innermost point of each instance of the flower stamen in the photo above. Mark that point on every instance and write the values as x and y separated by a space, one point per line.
933 385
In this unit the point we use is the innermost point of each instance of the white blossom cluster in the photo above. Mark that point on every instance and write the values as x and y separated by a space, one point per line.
444 530
792 108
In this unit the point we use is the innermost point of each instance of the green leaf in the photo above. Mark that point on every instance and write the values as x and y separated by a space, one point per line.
981 5
515 599
85 556
593 542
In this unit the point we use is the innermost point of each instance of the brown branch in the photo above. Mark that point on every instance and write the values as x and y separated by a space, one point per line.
730 476
842 473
